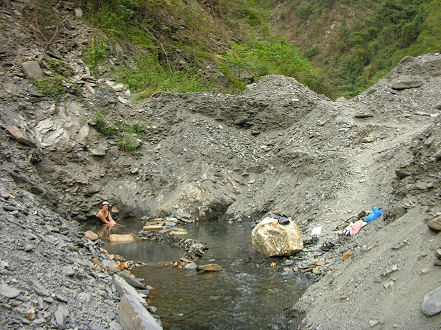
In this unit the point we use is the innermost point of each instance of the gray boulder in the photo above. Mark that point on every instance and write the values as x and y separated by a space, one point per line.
132 315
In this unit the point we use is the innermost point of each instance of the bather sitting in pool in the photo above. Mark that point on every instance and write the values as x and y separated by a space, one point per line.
105 216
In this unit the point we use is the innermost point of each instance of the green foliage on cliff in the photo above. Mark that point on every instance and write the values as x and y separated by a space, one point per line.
166 45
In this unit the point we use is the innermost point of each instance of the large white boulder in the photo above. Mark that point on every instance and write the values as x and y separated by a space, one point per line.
273 239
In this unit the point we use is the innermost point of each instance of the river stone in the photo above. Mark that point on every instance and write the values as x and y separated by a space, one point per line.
91 235
8 291
32 70
432 302
435 223
210 268
191 266
123 288
132 281
405 84
132 315
152 227
273 239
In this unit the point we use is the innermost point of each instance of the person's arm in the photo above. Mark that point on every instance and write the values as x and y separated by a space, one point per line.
102 218
111 219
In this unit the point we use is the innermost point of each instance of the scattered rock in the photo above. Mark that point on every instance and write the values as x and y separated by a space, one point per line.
362 115
373 323
39 288
405 84
435 223
432 302
20 136
91 235
8 291
60 316
32 70
346 255
131 280
394 268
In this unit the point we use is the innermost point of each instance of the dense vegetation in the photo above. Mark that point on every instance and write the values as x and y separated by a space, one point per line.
173 41
336 47
361 40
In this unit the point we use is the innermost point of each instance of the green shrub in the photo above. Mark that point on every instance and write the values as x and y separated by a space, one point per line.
101 124
51 86
96 51
279 57
127 142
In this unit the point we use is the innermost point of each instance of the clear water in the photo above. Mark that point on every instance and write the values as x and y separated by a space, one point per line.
247 294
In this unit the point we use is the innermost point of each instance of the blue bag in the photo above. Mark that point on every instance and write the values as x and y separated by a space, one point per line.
374 215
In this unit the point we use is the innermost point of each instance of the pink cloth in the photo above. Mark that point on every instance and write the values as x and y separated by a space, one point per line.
355 227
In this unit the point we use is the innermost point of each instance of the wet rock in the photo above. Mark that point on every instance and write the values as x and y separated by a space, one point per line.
191 266
432 302
273 239
123 288
210 268
152 227
126 238
32 70
132 281
91 235
405 84
8 291
133 315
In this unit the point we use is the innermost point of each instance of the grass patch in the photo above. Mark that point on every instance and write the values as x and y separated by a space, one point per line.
150 77
51 87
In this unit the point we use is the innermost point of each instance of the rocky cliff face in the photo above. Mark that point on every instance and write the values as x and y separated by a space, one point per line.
214 156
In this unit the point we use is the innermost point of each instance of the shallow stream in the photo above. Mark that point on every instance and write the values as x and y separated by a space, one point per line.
247 294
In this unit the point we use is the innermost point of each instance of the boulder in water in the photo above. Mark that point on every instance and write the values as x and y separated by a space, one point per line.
273 239
115 238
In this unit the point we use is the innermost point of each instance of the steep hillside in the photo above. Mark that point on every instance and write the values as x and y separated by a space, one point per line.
355 43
